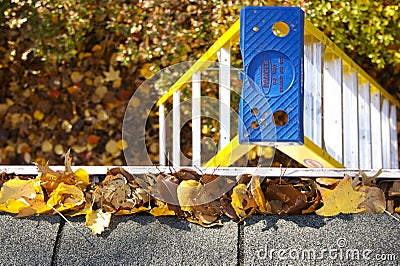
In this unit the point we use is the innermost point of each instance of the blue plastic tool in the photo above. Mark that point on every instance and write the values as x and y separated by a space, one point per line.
271 104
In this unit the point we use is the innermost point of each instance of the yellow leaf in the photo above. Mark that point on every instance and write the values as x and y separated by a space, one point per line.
268 152
116 84
101 91
112 74
111 146
14 192
252 154
76 77
96 48
257 193
187 47
132 211
187 192
192 220
82 178
241 202
326 181
13 206
161 210
38 115
64 197
342 199
122 144
147 70
97 220
47 146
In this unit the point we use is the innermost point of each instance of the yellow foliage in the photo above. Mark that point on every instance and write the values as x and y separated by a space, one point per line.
82 178
342 199
257 193
14 193
97 220
241 201
196 221
161 210
187 192
64 197
132 211
147 70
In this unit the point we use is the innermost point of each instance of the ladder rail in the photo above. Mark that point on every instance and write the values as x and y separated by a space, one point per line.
224 96
376 132
394 137
196 119
351 138
30 170
364 112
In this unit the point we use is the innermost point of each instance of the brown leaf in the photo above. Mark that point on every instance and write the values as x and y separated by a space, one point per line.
243 178
297 208
374 202
45 169
119 170
208 178
284 198
227 208
208 213
166 188
369 180
214 189
186 174
112 193
27 212
394 191
314 205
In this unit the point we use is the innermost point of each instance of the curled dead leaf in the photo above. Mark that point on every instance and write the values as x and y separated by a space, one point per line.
242 202
161 209
374 202
394 191
284 198
200 222
257 193
113 193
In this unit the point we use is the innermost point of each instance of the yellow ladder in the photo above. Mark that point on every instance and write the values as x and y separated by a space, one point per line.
349 119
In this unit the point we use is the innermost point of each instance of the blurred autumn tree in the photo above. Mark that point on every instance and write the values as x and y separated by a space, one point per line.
69 67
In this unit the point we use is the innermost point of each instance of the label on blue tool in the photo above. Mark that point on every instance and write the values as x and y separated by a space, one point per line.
271 105
274 71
